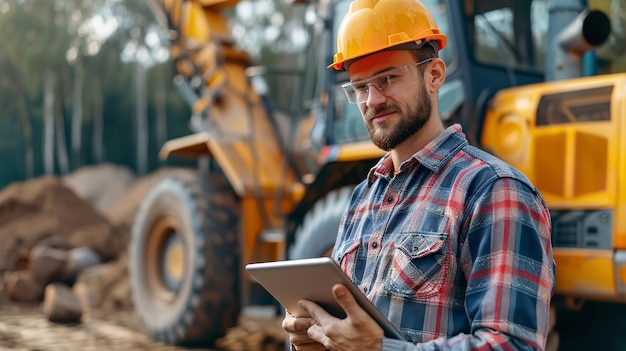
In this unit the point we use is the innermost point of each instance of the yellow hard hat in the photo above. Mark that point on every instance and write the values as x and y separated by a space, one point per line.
375 25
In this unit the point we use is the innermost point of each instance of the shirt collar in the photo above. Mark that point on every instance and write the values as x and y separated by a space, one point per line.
432 156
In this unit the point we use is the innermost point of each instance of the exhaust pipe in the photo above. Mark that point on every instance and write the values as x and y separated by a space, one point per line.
589 30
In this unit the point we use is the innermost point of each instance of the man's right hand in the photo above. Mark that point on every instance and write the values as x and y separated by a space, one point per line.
297 328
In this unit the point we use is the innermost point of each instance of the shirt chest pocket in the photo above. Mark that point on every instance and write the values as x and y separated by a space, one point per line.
347 256
418 266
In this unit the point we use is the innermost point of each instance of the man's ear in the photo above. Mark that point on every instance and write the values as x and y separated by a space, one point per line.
435 75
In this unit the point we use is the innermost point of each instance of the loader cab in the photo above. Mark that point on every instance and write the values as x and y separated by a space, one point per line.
500 44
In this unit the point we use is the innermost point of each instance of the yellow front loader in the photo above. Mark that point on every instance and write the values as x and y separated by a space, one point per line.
264 188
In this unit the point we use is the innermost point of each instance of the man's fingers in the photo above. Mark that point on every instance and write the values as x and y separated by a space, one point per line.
313 309
303 342
293 324
346 300
317 333
358 327
301 339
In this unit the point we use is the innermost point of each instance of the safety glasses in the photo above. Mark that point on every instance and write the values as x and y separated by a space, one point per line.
388 83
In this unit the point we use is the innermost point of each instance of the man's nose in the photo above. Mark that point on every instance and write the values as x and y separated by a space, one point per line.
374 95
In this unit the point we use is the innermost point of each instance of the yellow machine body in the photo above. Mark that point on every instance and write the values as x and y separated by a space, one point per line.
567 137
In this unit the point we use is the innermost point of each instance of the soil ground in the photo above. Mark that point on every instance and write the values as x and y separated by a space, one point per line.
24 328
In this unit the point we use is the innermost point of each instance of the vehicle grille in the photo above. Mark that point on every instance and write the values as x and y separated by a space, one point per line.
582 229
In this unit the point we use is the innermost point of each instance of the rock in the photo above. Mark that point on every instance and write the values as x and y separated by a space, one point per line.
105 239
119 298
23 288
22 262
48 264
79 259
97 286
55 241
252 334
89 298
60 305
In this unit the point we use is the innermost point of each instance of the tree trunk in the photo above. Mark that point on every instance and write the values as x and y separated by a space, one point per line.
62 155
48 135
160 107
141 119
27 130
77 113
97 147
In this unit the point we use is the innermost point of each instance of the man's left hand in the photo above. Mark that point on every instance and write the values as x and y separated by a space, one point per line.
358 331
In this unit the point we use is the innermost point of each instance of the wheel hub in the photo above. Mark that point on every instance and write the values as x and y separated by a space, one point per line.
165 260
173 262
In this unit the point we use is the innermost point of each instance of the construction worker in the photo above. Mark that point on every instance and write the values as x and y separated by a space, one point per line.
449 242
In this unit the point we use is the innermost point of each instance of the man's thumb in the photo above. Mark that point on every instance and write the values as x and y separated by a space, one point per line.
343 297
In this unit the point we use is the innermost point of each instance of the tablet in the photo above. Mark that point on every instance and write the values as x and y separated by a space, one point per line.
313 279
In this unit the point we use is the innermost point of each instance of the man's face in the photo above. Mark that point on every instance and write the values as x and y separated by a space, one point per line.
390 120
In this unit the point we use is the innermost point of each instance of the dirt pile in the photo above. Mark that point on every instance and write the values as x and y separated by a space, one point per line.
101 185
93 207
45 210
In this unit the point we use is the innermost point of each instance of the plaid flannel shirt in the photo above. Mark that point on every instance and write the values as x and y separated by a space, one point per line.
454 249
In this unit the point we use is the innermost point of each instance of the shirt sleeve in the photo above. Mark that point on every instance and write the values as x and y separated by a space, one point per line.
506 256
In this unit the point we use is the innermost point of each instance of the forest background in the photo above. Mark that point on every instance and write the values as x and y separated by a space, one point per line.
83 82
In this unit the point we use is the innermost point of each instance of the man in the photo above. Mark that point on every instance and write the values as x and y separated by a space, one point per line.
450 243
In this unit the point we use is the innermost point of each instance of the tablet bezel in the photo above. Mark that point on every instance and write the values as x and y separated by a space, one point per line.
312 279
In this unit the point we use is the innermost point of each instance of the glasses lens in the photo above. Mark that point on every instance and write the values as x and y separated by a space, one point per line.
349 92
388 83
393 81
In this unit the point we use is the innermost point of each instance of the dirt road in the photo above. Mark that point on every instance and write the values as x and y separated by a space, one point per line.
24 328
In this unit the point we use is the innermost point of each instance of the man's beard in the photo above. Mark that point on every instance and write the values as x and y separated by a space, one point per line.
409 122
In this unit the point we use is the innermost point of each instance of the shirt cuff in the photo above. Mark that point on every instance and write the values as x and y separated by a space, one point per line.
389 344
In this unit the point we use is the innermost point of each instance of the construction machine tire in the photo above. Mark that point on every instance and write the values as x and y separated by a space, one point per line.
183 262
316 235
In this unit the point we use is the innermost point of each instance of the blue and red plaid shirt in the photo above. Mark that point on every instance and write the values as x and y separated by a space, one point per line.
454 249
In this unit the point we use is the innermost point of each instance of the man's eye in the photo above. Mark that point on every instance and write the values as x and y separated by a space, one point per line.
361 88
387 80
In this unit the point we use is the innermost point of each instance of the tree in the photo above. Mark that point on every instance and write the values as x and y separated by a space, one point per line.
77 61
32 29
11 80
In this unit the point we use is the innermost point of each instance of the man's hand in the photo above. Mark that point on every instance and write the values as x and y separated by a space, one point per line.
358 331
297 330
